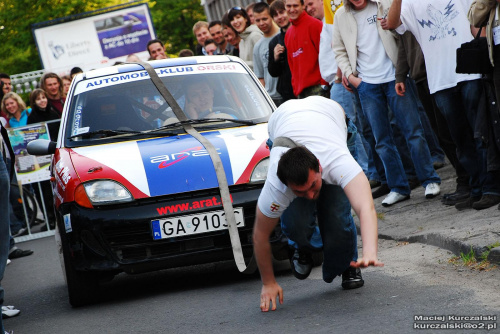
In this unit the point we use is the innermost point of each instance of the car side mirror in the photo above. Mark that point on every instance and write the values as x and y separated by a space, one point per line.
41 147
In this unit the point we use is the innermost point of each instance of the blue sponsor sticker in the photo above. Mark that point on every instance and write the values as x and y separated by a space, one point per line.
155 226
67 223
181 164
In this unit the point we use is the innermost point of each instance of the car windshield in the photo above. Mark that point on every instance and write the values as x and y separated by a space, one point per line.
120 105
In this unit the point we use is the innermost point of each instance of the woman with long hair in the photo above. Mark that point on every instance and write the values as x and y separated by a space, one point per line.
15 108
43 111
249 33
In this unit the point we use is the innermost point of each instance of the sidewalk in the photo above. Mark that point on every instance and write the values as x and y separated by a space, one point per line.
430 222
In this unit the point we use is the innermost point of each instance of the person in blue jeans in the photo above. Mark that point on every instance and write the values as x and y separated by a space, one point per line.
457 95
313 175
366 55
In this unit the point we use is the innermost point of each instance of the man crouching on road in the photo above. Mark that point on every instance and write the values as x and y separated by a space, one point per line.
312 175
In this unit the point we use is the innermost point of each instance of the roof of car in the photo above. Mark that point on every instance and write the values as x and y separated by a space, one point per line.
131 67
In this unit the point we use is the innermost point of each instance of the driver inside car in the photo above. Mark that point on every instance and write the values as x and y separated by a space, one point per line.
199 100
199 103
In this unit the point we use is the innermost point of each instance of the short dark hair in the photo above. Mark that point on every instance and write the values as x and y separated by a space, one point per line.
210 41
238 11
186 53
153 41
214 23
75 70
4 76
294 165
260 7
302 2
277 6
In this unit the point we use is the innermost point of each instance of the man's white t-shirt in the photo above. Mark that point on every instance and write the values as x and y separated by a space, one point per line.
440 26
373 64
319 124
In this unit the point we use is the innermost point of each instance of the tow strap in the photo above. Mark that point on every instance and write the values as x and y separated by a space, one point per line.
219 171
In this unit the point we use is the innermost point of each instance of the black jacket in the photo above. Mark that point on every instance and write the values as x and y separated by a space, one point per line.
48 114
280 69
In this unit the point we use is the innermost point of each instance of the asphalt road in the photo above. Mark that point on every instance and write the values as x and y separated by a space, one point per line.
417 280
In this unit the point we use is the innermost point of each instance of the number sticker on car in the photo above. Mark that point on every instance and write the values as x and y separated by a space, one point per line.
193 224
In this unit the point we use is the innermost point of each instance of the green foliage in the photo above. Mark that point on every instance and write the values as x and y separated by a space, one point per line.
172 19
468 258
485 254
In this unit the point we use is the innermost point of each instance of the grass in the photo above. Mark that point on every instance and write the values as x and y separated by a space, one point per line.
469 259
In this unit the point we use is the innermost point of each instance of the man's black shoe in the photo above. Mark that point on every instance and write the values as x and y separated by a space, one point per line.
467 204
486 201
301 262
454 198
381 191
17 253
351 279
374 183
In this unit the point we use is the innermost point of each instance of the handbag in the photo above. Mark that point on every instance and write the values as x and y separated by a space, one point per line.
474 57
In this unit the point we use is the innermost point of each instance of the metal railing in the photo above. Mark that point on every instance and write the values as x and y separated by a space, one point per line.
26 82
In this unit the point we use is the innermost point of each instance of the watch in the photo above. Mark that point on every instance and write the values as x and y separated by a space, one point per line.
337 79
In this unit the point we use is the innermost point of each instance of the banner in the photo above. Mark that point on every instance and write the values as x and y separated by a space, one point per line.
30 168
95 41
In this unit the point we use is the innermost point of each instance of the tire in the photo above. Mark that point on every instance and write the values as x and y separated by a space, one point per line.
83 287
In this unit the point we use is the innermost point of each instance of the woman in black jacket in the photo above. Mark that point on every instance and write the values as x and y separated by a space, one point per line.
42 111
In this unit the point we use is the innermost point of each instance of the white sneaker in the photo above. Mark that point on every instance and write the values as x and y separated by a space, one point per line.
9 311
432 190
393 198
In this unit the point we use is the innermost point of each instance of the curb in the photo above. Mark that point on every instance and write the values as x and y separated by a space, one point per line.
454 246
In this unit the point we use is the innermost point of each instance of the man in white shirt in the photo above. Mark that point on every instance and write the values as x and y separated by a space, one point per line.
316 178
367 55
440 27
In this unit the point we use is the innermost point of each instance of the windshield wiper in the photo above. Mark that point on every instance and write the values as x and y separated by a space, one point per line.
202 121
234 120
106 133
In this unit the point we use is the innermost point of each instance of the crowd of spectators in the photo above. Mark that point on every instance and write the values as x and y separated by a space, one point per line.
372 58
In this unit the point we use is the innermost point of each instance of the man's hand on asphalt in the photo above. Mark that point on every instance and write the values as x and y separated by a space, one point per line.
268 296
366 262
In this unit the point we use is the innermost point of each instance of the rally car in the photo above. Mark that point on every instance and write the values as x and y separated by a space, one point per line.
133 192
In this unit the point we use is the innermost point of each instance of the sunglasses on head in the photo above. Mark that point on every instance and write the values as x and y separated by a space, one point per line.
235 8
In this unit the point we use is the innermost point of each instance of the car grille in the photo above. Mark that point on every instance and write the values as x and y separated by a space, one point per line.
134 242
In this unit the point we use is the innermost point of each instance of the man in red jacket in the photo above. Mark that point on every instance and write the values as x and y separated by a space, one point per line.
302 43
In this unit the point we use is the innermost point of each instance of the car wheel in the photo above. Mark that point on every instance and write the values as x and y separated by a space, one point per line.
83 287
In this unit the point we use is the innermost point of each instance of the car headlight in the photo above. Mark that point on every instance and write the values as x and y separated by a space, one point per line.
259 173
107 192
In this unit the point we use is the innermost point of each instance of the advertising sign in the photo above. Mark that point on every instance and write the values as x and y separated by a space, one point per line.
95 41
30 168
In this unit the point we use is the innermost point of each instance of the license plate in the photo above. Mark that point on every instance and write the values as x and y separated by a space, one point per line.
193 224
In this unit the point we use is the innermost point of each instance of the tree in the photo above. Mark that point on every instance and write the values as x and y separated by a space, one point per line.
173 21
